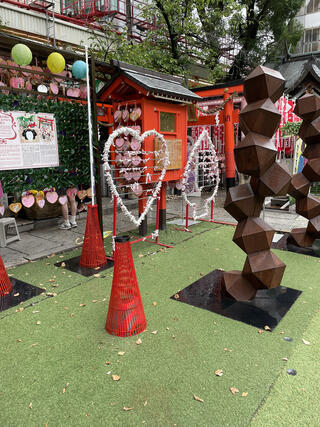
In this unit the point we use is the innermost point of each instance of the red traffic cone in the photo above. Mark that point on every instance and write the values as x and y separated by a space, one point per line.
125 314
93 254
5 284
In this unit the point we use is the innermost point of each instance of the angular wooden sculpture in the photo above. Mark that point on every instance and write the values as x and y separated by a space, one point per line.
256 156
307 205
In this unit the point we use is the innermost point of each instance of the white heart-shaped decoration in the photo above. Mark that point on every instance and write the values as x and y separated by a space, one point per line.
1 210
52 196
41 203
63 200
209 168
115 134
28 201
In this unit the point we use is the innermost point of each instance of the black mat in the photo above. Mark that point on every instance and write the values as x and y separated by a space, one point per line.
267 309
73 264
285 245
21 292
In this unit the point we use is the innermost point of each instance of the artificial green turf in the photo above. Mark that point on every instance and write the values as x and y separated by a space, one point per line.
169 367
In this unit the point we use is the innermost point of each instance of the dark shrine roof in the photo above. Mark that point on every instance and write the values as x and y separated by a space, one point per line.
159 85
299 70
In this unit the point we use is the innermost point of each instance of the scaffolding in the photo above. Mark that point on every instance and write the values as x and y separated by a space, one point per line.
48 8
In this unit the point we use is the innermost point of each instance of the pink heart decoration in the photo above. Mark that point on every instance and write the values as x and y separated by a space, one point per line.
128 176
63 200
126 159
1 210
72 192
52 197
136 175
152 197
41 203
73 92
137 189
54 88
136 160
83 91
119 142
15 207
28 201
118 158
135 145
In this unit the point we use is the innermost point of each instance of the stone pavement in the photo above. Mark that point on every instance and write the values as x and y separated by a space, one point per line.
41 238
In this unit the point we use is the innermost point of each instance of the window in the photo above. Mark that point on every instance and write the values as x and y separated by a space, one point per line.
167 122
311 40
313 6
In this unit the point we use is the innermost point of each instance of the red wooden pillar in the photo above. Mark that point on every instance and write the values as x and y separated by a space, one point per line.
163 206
229 141
143 227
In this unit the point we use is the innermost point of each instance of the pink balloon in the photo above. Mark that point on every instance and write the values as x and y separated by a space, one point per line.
27 201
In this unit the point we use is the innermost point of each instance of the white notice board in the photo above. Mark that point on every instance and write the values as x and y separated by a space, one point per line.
28 140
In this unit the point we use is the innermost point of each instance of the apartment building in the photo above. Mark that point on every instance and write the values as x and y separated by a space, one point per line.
309 17
69 22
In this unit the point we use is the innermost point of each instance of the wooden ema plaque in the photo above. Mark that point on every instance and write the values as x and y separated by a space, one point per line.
175 154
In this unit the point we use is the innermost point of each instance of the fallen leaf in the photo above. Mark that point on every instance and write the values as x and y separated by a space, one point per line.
48 263
198 399
16 294
305 342
35 311
281 332
234 390
71 314
30 405
125 408
94 300
244 394
34 344
177 296
19 309
121 353
115 377
66 308
63 264
145 403
82 305
175 319
140 255
18 340
38 322
219 372
267 328
154 332
51 280
154 304
65 388
108 363
285 359
55 285
173 336
51 294
138 342
96 275
260 331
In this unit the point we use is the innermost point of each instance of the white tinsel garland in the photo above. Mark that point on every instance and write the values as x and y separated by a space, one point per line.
129 131
194 155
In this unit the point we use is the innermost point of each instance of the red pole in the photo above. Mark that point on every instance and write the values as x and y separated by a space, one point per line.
187 216
157 217
211 218
229 141
114 230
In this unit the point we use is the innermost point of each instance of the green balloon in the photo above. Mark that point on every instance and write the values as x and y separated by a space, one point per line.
21 54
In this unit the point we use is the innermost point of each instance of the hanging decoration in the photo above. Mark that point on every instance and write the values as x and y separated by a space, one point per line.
207 166
28 200
134 174
79 69
21 54
15 207
56 62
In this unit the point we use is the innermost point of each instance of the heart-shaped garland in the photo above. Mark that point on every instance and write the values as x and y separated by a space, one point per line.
188 168
136 135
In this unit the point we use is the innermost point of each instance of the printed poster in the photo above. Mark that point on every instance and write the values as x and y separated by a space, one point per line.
28 140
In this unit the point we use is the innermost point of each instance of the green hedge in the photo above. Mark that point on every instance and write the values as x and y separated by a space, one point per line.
73 142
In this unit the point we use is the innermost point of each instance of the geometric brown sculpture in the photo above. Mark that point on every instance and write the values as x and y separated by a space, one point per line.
307 205
253 235
241 202
256 156
274 182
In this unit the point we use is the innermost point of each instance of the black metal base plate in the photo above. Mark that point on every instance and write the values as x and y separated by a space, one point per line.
73 264
267 309
21 291
285 245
